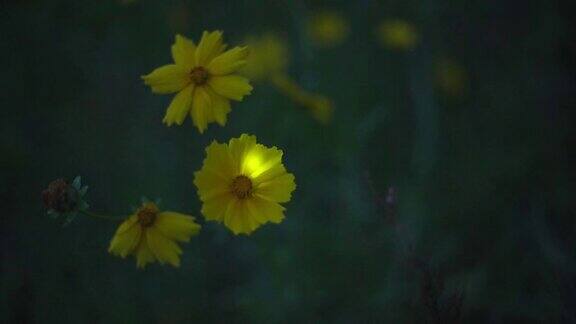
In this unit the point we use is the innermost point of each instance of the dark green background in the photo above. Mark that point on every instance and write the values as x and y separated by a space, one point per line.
484 181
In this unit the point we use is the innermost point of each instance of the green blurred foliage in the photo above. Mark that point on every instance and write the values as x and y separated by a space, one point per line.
484 216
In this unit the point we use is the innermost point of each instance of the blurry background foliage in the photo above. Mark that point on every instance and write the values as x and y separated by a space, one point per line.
468 133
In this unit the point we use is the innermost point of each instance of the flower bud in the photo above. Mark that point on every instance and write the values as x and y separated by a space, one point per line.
65 199
60 196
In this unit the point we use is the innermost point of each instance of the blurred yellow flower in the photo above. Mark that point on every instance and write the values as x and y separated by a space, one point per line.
242 184
268 61
151 235
268 57
397 34
451 77
203 78
320 106
328 29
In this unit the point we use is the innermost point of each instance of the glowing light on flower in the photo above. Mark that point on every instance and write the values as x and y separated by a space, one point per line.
243 183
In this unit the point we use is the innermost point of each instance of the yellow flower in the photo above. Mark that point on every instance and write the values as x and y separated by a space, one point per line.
268 57
328 29
203 78
151 235
268 61
397 34
320 106
451 77
242 184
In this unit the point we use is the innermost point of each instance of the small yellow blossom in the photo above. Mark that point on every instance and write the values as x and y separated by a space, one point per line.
451 77
322 108
204 79
151 235
319 106
242 184
397 34
328 29
268 61
268 57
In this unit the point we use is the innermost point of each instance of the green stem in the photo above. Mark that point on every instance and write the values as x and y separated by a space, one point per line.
91 214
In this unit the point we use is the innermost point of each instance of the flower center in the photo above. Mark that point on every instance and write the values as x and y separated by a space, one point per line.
199 75
241 187
147 216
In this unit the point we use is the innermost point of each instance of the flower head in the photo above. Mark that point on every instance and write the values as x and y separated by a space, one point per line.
328 29
65 200
321 108
203 78
242 184
397 34
151 235
268 57
451 77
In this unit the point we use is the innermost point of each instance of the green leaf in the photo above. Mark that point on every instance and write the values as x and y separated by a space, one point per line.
77 183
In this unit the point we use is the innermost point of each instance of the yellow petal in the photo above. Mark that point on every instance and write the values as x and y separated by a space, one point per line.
274 172
183 52
219 161
127 224
201 109
229 61
179 107
215 208
278 189
246 218
238 218
176 226
143 253
167 79
229 220
272 211
239 148
164 249
230 86
259 159
220 107
210 184
124 243
257 216
210 111
209 47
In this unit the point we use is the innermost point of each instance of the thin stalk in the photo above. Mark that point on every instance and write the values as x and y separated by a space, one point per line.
91 214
